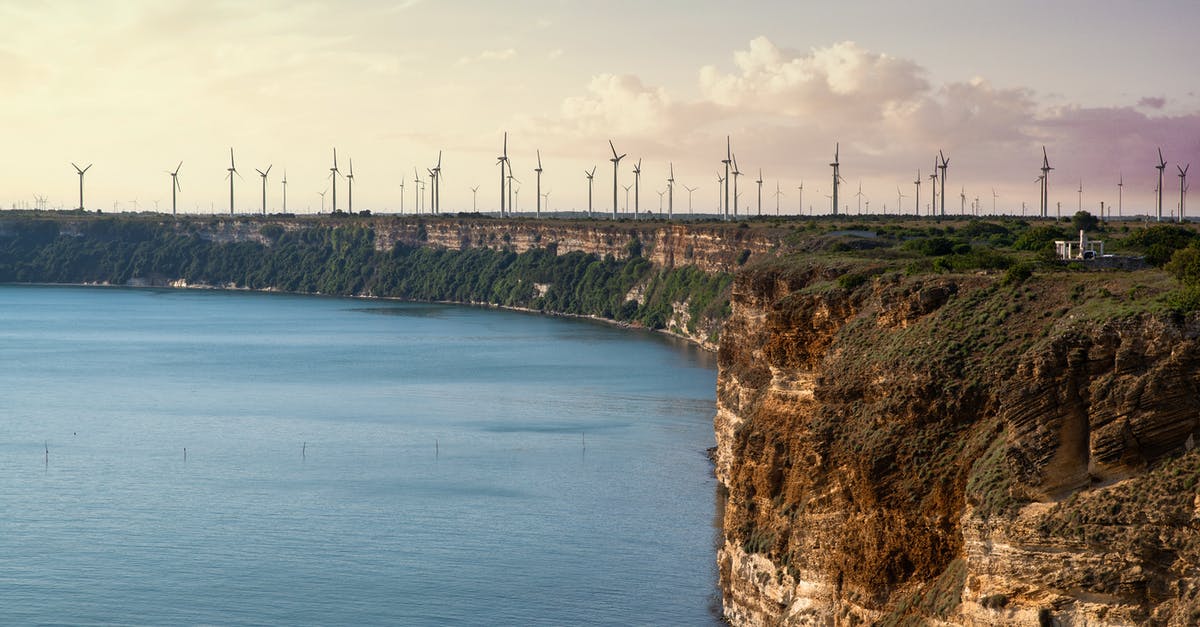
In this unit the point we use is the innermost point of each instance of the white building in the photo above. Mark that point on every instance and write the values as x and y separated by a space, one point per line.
1079 250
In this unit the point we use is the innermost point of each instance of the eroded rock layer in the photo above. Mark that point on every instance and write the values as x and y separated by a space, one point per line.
955 450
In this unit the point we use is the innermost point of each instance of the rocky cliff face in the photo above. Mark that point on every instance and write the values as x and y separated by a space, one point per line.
710 247
951 450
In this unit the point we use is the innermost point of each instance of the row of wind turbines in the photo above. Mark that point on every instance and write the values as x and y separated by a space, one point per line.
727 185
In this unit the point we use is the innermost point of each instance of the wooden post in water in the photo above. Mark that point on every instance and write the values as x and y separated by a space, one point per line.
185 454
304 451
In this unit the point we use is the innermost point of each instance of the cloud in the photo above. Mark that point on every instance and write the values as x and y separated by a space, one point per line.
843 77
489 55
616 104
1152 102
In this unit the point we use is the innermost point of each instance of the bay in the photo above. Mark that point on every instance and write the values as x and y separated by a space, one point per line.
347 462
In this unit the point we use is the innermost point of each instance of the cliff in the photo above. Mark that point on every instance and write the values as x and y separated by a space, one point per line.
957 449
667 276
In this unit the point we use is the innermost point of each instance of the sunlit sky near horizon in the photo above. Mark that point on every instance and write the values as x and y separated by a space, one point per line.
135 87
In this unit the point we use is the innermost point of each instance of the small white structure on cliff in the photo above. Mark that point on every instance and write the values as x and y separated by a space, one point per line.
1083 249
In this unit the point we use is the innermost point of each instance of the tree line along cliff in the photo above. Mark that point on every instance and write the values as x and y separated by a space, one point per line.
658 277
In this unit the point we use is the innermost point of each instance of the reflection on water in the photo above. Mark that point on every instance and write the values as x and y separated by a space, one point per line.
347 463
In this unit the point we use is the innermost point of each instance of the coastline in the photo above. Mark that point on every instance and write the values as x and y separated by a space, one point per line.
180 284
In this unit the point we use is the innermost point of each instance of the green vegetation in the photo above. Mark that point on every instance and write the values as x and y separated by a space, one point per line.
343 260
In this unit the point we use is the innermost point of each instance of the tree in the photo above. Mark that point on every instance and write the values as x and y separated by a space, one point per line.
1084 221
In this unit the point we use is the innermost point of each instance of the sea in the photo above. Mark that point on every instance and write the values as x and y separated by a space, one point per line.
202 457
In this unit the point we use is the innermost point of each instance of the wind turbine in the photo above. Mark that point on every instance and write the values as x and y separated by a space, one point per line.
436 193
417 195
350 188
689 191
264 185
727 161
860 197
801 188
591 177
513 195
778 193
81 173
285 190
836 176
322 195
899 198
1045 183
232 171
671 193
962 207
1162 165
1080 207
475 189
333 174
539 184
637 190
661 194
933 202
616 161
627 188
1120 194
502 160
1182 188
720 181
736 173
994 197
759 181
917 200
174 185
402 193
944 166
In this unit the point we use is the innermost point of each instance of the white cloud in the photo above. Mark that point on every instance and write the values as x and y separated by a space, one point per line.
489 55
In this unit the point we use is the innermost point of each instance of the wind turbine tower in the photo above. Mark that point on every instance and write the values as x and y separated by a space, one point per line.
174 185
285 190
689 191
944 166
616 161
1120 194
727 161
436 192
1080 206
836 175
264 186
539 184
671 192
502 160
933 181
232 171
591 177
333 174
637 190
994 197
917 201
81 173
736 173
759 181
1162 165
350 188
474 206
778 194
1182 189
1045 183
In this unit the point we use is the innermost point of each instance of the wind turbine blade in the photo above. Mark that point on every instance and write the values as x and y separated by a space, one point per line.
76 167
614 150
269 168
177 167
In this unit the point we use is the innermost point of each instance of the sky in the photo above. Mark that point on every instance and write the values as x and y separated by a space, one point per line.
136 87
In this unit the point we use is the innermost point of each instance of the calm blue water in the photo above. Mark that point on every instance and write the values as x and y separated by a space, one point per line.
348 462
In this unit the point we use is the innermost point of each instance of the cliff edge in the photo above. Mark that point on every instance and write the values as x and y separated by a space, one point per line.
968 449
